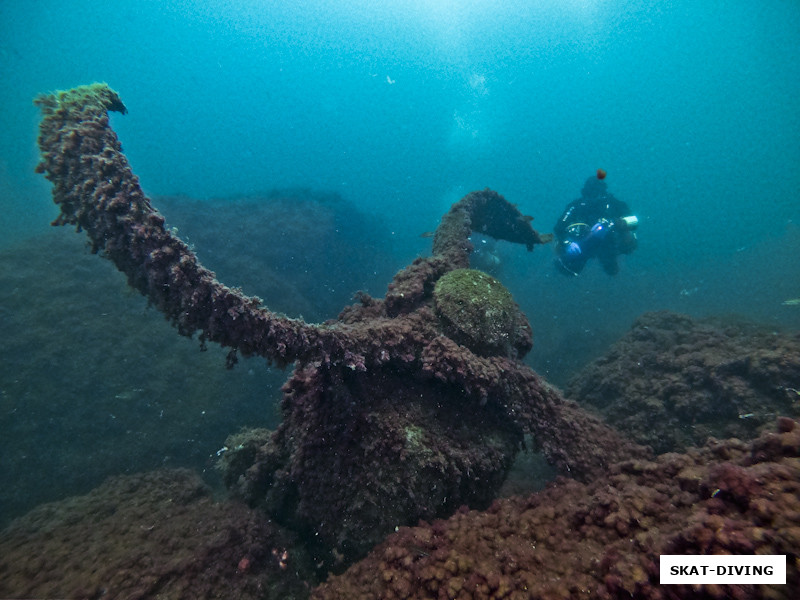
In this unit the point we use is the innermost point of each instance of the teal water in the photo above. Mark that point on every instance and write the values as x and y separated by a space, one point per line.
402 107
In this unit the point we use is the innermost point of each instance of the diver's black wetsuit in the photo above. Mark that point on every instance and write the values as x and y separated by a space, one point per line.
593 226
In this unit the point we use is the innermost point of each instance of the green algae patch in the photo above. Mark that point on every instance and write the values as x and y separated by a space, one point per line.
96 95
478 311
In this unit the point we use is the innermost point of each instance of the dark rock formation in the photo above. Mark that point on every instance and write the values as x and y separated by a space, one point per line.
157 535
673 381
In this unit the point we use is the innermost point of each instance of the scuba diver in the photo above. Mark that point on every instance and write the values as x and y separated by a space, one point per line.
596 225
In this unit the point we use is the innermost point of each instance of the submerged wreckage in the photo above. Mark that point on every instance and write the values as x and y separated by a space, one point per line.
403 408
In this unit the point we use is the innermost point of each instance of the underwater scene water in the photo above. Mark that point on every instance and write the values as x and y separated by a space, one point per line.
306 152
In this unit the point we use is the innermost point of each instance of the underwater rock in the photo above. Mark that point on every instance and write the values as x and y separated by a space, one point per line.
71 416
304 253
673 381
603 540
479 312
155 535
345 368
